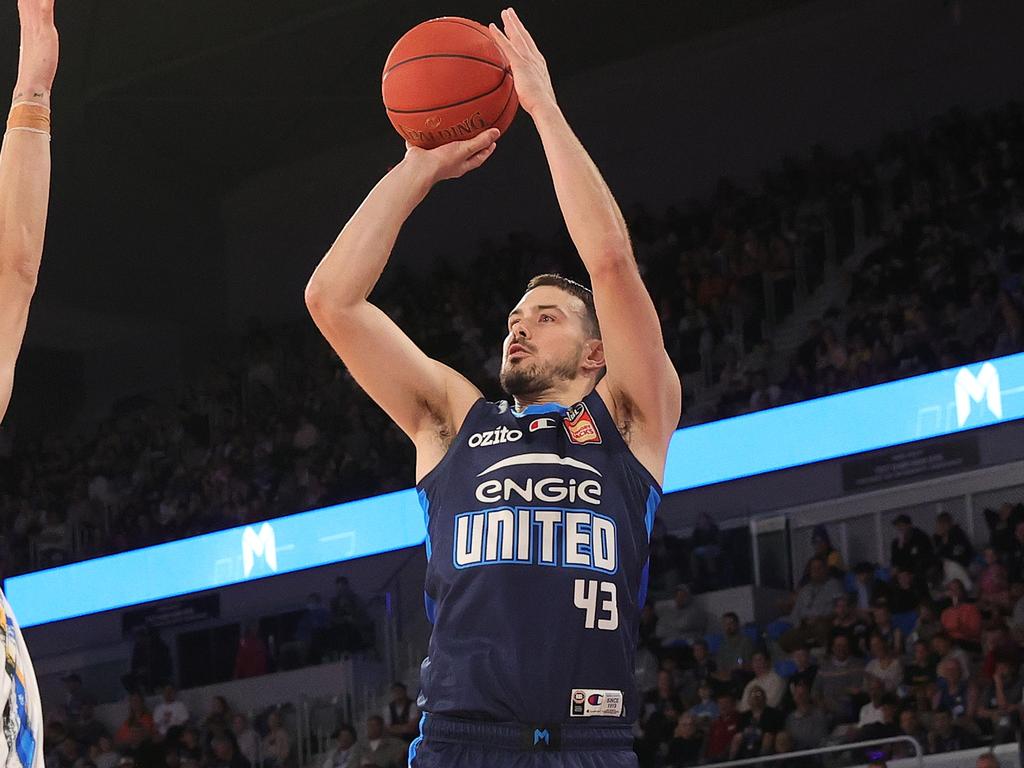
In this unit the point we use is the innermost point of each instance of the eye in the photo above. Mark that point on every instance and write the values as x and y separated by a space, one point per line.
546 317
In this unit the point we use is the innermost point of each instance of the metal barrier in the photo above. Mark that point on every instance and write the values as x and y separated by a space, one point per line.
918 752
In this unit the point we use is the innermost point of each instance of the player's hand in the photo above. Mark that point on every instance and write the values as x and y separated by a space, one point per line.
529 69
450 161
37 65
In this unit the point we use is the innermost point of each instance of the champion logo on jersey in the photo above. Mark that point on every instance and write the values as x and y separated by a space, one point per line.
544 422
588 702
580 425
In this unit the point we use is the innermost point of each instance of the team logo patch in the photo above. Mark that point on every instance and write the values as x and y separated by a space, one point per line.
580 425
588 702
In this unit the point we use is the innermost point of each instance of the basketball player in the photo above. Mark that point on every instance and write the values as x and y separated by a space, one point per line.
24 196
540 510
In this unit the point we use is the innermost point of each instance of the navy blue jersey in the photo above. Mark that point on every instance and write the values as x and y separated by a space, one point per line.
538 535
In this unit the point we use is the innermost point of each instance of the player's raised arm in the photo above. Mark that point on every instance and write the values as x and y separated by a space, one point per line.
424 397
25 182
640 377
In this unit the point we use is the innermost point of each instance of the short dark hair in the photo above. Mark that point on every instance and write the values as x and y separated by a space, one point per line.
573 288
731 615
345 728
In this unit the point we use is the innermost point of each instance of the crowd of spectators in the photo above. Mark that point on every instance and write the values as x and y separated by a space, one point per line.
929 647
165 734
276 424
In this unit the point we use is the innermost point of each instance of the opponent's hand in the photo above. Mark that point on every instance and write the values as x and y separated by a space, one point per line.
450 161
37 64
529 69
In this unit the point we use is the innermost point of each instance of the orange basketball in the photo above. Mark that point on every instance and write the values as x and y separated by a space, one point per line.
446 80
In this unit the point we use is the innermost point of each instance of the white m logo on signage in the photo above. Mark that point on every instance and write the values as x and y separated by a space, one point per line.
985 387
262 545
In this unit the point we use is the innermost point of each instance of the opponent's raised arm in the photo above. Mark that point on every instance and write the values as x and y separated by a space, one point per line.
640 376
25 182
420 394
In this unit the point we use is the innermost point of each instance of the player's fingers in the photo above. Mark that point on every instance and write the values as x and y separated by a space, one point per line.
517 34
503 43
480 157
481 141
531 44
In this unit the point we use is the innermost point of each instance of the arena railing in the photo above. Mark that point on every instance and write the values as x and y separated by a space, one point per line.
819 751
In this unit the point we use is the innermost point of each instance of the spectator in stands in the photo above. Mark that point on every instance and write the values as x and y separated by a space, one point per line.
87 729
804 671
962 619
732 659
137 728
758 726
946 736
927 625
911 549
993 584
723 729
1002 525
950 542
882 625
683 621
706 708
343 752
910 726
102 753
943 648
870 712
954 694
190 748
380 750
906 593
920 672
251 658
1015 556
224 754
987 760
998 710
806 726
246 738
823 549
867 588
661 710
401 717
277 744
812 613
885 726
170 713
686 745
884 665
702 666
766 680
839 681
218 716
65 754
846 621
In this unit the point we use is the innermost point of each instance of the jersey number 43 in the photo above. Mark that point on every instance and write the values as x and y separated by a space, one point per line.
588 593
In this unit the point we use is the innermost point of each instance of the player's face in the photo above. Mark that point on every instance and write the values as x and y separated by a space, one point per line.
546 342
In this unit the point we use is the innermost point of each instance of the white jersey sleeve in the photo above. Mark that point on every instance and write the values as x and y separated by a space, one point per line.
21 745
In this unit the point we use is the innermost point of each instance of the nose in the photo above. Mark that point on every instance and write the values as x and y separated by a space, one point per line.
519 330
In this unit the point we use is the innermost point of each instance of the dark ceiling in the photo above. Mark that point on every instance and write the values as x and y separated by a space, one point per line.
225 88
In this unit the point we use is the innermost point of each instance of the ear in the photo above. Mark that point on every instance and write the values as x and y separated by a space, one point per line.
593 355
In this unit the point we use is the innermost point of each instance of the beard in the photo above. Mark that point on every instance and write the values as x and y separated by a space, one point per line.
528 377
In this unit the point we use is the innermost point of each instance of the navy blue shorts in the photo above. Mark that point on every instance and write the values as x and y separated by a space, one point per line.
446 742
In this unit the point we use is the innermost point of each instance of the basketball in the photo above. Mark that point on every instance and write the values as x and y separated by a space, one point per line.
446 80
